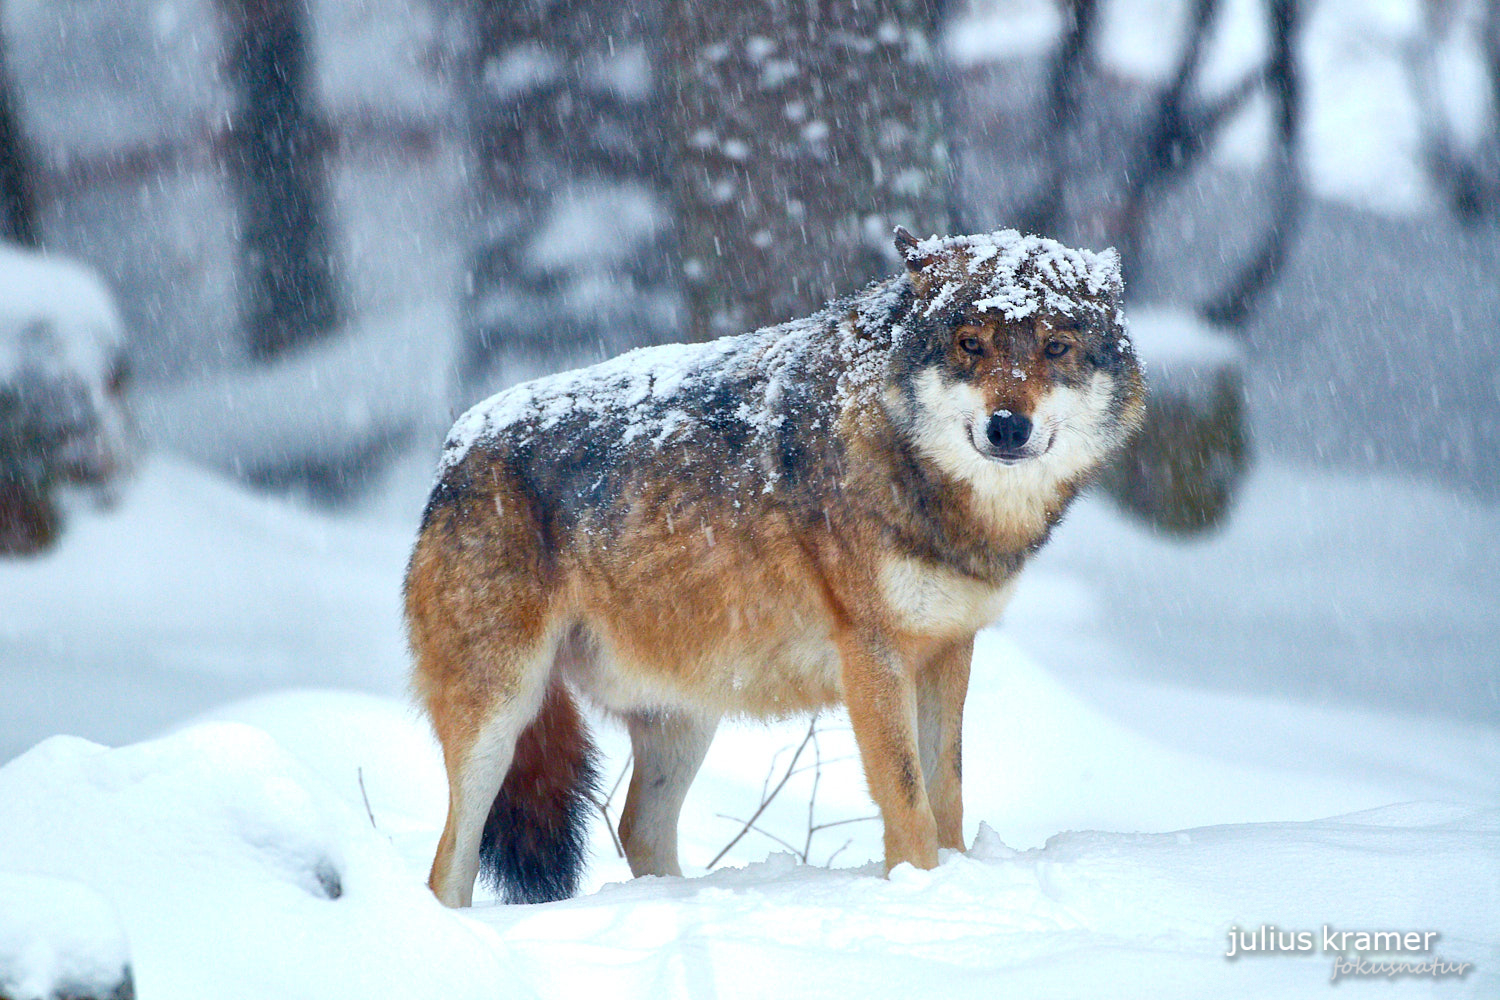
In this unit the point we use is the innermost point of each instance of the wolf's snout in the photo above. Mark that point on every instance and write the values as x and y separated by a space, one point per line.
1008 431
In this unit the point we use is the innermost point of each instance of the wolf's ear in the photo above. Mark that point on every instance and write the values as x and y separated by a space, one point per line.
906 246
916 261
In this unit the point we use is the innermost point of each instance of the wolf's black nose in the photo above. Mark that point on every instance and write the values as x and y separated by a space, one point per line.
1008 431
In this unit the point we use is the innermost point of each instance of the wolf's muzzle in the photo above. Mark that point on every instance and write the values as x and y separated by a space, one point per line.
1008 432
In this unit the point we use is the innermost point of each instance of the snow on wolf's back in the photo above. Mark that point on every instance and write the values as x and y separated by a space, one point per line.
759 403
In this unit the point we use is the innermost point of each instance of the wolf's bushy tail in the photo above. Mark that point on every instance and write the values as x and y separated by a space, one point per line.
535 841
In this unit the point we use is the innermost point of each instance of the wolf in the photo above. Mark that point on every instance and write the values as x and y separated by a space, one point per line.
822 512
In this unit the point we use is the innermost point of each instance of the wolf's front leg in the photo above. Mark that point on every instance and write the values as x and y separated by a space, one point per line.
942 685
668 749
881 696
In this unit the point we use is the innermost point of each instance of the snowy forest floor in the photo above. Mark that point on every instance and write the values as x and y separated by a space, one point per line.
1294 722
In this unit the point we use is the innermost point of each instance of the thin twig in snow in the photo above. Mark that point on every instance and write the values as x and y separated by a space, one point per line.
359 772
812 797
603 807
829 862
751 828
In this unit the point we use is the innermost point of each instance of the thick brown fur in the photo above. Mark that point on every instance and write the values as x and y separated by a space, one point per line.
842 546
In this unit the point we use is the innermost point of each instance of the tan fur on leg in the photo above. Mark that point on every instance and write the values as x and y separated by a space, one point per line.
883 713
942 684
669 749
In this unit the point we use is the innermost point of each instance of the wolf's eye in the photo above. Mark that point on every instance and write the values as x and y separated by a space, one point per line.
1056 348
972 345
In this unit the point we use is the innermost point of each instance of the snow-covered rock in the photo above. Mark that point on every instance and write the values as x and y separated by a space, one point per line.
62 413
61 342
1181 350
60 939
1182 472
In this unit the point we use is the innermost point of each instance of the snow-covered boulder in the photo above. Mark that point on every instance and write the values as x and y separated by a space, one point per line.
1181 473
60 939
62 414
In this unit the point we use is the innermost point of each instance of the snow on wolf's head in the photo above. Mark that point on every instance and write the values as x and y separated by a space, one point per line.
1014 359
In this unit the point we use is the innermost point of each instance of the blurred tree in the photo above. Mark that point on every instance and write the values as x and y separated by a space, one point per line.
275 156
803 132
573 258
18 222
1107 155
768 147
1467 172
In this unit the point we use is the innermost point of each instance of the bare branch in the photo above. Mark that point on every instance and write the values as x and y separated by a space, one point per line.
750 827
603 807
1161 154
804 853
1471 190
812 798
1234 302
1204 122
624 770
829 862
845 822
831 760
766 800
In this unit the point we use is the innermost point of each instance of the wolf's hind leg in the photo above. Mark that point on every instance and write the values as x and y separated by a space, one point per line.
669 749
477 749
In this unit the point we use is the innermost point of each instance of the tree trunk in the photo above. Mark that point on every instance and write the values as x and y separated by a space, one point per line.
291 294
574 257
803 133
18 222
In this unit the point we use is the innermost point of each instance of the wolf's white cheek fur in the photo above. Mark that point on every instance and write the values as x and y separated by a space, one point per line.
943 421
1076 420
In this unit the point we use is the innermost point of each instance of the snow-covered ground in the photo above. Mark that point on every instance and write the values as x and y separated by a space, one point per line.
1292 723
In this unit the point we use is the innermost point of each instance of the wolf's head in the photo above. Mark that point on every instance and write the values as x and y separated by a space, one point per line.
1013 355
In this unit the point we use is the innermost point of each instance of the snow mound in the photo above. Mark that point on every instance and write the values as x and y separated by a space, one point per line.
1172 338
335 408
987 33
235 872
59 939
1182 352
377 753
62 303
